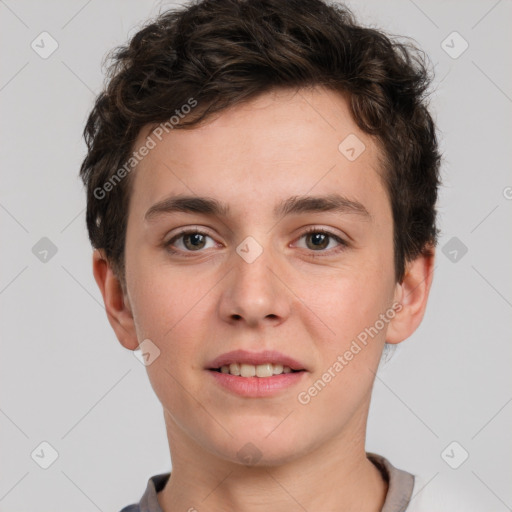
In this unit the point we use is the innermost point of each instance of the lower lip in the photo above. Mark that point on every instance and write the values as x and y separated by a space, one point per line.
257 387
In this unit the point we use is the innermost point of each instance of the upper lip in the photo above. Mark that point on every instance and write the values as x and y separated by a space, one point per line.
255 358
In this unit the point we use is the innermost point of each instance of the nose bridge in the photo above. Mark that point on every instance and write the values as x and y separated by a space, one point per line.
253 291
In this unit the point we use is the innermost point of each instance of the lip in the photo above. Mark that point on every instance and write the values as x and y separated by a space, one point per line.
254 358
257 387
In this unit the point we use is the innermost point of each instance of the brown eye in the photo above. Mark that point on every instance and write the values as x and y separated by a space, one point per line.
317 240
188 241
194 241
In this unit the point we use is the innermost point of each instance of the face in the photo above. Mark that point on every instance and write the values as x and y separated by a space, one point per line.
264 272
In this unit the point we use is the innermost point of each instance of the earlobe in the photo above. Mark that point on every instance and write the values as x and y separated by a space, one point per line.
412 293
117 305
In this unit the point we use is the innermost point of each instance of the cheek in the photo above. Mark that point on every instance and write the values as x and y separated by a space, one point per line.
168 310
166 307
344 375
351 298
160 304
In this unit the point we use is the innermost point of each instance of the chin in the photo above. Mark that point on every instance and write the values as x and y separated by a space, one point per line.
255 447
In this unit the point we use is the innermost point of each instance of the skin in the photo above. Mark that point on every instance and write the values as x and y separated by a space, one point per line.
281 144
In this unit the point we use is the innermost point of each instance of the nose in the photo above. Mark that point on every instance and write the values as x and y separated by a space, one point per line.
254 293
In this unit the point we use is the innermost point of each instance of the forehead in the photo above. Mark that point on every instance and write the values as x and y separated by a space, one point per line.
282 143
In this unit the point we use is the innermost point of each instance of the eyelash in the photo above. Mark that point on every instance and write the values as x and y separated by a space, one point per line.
343 244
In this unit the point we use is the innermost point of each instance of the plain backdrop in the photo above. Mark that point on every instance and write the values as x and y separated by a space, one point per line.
64 378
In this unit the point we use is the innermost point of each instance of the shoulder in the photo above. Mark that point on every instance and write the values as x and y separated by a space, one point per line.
149 500
131 508
444 491
441 494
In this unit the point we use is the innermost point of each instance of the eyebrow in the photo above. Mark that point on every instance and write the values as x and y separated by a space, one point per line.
293 205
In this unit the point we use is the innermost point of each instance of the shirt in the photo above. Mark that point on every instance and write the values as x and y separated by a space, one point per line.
400 488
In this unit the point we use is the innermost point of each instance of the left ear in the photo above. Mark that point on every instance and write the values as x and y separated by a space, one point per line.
412 293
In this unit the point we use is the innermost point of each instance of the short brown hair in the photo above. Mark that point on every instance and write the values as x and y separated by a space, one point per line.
224 52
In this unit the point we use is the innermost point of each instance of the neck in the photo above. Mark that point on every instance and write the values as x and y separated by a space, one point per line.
335 476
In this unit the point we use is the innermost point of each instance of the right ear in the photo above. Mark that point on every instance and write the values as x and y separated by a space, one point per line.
117 305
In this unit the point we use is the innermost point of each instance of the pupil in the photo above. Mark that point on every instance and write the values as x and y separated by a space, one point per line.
196 237
319 237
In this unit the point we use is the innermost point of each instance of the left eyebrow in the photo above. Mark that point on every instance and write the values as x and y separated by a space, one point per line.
292 205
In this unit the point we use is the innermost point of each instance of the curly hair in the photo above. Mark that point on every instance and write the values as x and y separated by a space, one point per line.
224 52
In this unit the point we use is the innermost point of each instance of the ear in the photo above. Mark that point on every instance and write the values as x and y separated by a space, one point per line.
412 293
117 305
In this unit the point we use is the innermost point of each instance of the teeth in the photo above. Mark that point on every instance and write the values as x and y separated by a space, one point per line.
250 370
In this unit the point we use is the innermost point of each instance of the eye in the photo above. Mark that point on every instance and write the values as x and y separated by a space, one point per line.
194 240
318 239
191 240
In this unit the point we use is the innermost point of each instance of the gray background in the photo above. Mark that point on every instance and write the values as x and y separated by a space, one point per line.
66 380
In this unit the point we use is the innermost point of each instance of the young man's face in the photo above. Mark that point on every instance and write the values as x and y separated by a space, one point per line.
255 280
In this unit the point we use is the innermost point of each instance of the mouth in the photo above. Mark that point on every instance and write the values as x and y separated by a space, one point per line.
263 380
264 370
264 364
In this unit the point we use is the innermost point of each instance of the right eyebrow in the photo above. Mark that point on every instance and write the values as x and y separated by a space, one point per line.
187 204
